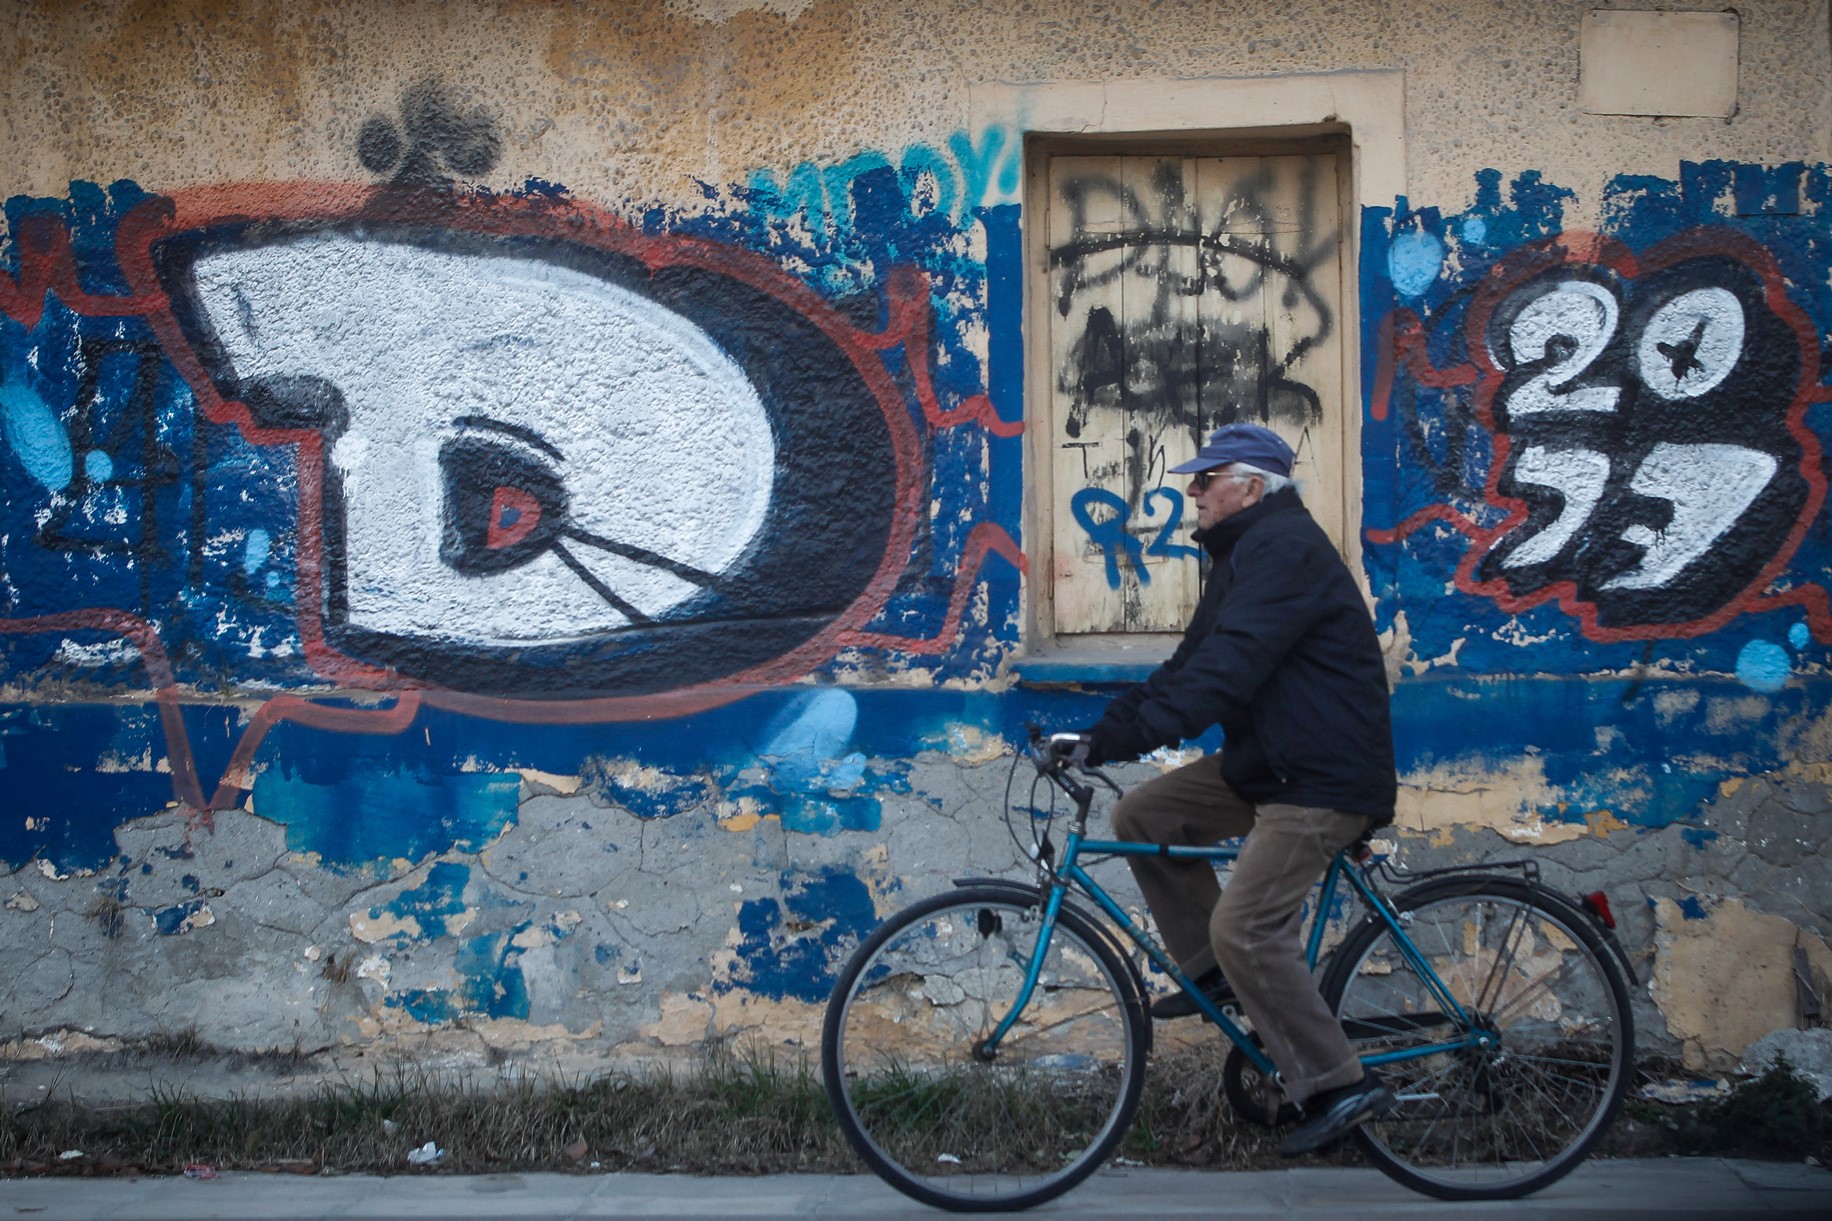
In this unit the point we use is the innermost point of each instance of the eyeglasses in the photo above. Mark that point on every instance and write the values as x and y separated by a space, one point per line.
1202 479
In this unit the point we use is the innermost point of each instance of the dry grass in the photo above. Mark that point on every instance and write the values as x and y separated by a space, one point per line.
744 1113
1184 1120
733 1113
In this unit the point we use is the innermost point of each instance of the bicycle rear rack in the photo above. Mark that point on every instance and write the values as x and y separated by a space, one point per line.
1593 907
1529 871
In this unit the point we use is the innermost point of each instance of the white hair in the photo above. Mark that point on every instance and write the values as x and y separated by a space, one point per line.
1270 481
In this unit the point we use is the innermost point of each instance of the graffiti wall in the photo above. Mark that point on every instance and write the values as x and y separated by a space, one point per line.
369 518
1596 481
1609 446
456 603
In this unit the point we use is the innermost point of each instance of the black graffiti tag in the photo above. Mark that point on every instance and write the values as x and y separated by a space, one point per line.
1183 372
1189 296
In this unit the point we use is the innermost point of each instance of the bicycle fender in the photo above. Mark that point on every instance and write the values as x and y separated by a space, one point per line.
1603 930
1019 890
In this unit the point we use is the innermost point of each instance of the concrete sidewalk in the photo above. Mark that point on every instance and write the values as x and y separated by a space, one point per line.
1673 1187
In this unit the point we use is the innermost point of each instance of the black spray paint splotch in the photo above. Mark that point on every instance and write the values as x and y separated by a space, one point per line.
435 139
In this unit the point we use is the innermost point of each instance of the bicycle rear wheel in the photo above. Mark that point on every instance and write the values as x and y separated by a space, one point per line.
1546 1057
934 1119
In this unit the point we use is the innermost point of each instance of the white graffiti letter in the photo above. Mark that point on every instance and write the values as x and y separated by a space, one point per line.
1578 475
1579 312
1692 343
1709 486
605 458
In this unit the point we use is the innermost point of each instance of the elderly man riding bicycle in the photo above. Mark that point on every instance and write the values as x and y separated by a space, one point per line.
1281 654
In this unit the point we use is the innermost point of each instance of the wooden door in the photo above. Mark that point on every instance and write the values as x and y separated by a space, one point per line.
1184 293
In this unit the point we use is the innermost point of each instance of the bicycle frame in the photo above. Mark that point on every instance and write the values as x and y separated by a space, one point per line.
1068 872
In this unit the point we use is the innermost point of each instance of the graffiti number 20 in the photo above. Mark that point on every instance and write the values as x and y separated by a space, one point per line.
1689 346
1109 533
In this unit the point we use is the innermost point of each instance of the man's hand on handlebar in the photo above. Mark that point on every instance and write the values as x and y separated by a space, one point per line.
1070 748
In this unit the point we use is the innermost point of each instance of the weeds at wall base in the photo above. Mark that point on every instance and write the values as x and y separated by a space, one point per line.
746 1112
1775 1115
730 1113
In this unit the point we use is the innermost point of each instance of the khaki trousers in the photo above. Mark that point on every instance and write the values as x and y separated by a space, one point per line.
1253 929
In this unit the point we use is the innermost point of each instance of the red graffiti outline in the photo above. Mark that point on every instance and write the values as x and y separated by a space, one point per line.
908 328
48 265
186 785
1403 343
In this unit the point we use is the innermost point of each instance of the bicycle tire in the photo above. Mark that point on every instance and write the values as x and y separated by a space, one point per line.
945 1127
1501 1121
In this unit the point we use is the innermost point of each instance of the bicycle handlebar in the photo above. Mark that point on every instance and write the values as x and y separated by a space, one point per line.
1054 754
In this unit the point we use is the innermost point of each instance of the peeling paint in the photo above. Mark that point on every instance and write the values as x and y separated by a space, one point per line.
973 746
183 918
684 1022
1724 975
790 947
540 781
1506 799
381 926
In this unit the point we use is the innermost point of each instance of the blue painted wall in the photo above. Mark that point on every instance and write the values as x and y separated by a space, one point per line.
151 534
1640 707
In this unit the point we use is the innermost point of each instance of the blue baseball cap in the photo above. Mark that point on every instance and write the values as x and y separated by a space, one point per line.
1250 443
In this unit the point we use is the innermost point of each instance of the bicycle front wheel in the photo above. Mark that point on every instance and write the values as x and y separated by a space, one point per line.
1509 1097
1020 1125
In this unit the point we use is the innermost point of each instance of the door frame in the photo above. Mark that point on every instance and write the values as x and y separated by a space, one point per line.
1263 115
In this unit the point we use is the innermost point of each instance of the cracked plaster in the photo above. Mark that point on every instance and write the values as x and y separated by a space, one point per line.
620 951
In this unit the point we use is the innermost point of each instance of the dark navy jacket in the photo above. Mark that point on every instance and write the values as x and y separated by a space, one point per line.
1281 653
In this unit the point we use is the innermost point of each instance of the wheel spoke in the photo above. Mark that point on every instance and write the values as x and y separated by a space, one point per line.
945 1127
1503 964
1521 1109
1538 990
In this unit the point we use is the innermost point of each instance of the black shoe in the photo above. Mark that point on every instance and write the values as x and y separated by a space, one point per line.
1329 1116
1179 1004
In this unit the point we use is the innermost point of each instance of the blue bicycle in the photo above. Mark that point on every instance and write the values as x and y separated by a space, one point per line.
985 1048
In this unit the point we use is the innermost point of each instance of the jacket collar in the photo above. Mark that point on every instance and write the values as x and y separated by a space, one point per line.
1219 539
